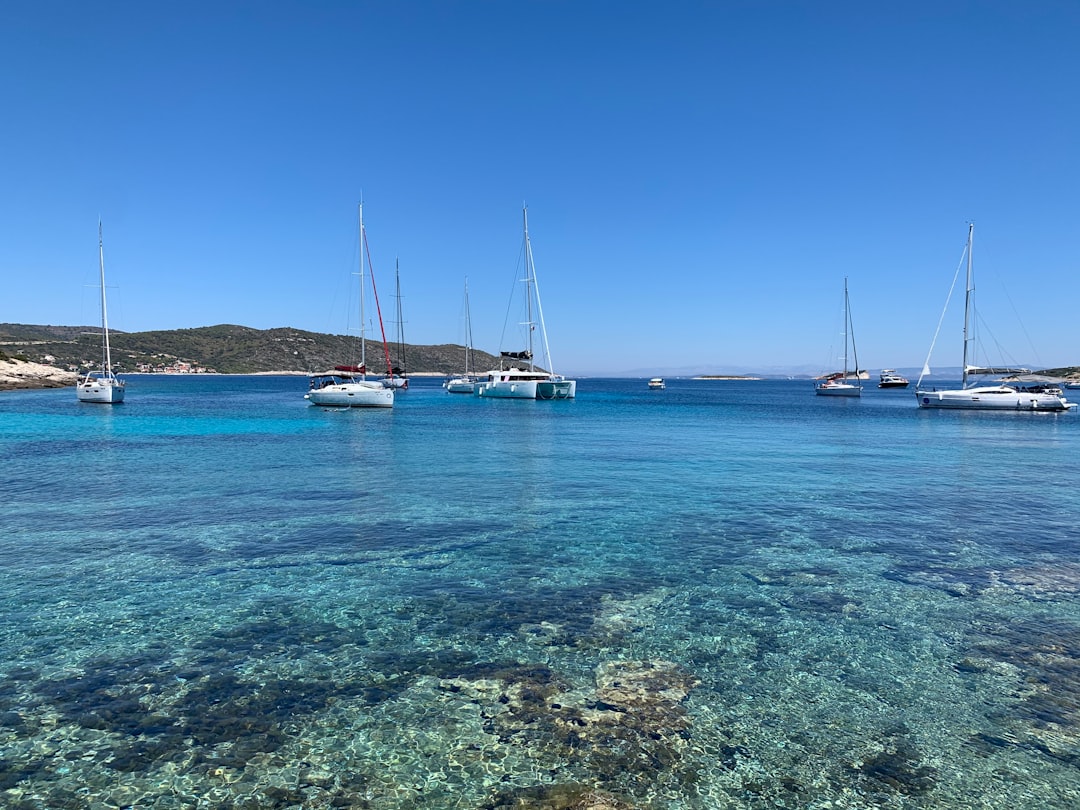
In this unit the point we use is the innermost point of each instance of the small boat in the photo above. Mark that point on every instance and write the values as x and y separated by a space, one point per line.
1012 395
101 385
890 379
657 383
531 382
837 385
347 386
464 383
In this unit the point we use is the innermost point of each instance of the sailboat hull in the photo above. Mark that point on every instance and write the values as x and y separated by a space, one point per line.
101 392
993 398
360 394
460 385
839 390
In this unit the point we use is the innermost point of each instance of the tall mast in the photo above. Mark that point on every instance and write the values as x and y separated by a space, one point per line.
529 325
106 354
468 327
400 322
533 286
847 320
967 302
363 342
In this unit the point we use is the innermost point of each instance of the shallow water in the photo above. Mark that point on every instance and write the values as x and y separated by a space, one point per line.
721 595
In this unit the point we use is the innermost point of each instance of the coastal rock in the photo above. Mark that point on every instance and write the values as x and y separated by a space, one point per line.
18 374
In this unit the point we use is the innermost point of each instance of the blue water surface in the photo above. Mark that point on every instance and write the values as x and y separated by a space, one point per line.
725 594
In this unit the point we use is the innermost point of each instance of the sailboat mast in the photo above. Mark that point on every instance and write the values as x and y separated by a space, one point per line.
534 286
106 354
967 302
846 322
400 322
363 342
468 328
851 329
528 287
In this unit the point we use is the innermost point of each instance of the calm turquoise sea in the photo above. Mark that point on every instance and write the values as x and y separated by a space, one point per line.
722 595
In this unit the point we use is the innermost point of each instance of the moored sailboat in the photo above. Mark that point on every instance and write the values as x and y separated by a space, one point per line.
399 372
102 385
527 383
464 383
347 386
837 385
1001 396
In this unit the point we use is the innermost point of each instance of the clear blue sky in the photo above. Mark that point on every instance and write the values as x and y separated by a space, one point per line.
701 176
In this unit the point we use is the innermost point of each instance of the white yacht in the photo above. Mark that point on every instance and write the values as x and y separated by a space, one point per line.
101 385
531 382
1012 395
347 386
464 383
657 383
890 379
837 385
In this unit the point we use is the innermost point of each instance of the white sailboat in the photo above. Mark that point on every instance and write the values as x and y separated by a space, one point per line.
1014 396
837 385
527 383
102 385
347 386
399 374
464 383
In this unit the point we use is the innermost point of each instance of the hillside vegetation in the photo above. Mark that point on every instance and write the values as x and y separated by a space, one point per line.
227 349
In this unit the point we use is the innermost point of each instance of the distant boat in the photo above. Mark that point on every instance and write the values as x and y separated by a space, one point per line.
890 379
837 385
464 383
347 386
399 375
531 382
101 385
657 383
1000 397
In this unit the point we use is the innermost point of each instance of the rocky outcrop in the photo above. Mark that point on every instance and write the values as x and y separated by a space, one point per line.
16 374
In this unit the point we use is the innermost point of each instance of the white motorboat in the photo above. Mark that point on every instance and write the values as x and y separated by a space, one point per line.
890 379
347 386
837 385
101 385
531 382
1013 395
464 383
657 383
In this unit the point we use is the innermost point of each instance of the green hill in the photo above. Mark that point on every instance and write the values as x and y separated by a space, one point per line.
225 348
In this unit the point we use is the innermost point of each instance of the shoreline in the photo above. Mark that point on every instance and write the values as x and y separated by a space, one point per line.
23 375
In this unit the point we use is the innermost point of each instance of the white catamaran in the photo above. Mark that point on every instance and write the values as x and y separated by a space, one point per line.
530 382
347 386
1012 396
102 385
837 385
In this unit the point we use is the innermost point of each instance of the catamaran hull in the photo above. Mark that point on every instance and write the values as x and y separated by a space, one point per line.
993 399
103 394
353 395
556 389
506 389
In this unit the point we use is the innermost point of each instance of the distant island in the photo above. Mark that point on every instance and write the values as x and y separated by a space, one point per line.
724 377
